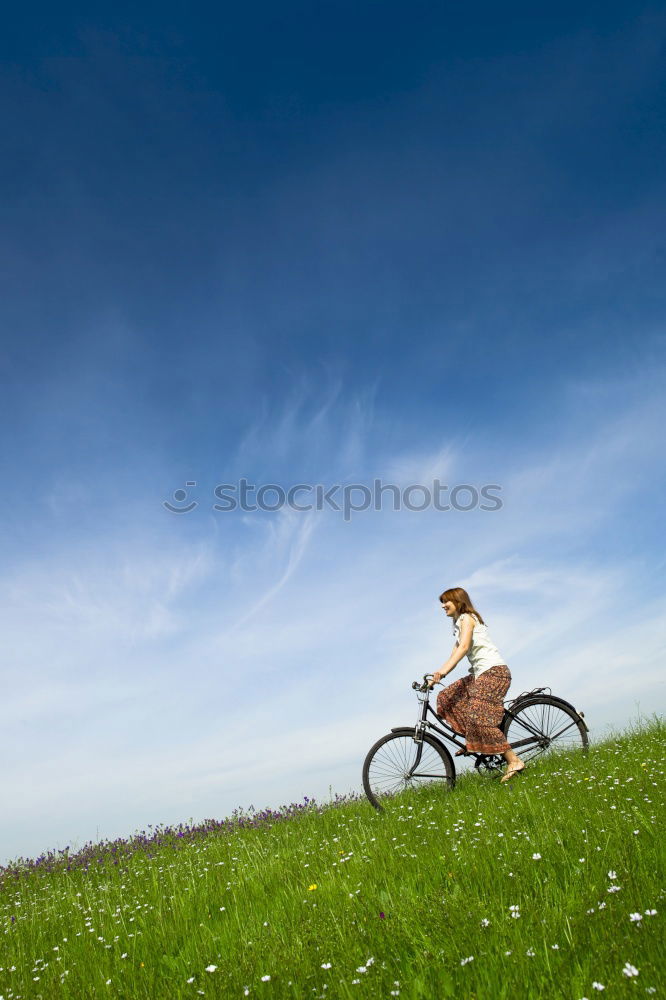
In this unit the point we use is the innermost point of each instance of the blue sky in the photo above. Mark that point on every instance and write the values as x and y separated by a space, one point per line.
323 244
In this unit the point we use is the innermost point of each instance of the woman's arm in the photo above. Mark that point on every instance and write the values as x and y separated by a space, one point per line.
460 650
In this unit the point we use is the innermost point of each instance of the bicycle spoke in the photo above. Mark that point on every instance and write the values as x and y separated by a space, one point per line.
557 736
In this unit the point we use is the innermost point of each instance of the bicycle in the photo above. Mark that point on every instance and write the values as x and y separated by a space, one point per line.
408 756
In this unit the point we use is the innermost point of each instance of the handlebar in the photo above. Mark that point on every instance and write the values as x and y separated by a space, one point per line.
425 686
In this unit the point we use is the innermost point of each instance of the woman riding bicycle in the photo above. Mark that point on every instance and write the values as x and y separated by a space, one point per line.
473 706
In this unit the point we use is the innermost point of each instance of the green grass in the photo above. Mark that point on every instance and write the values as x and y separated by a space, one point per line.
401 899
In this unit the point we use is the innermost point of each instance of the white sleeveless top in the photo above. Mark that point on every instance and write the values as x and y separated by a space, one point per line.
483 653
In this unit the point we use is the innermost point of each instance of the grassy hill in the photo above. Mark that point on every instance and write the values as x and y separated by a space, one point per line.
549 886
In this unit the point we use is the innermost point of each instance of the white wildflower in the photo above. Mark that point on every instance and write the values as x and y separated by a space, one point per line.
630 970
211 968
536 857
635 917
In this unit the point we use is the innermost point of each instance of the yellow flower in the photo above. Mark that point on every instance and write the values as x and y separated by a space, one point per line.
311 888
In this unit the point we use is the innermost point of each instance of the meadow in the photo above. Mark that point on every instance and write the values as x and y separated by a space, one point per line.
550 886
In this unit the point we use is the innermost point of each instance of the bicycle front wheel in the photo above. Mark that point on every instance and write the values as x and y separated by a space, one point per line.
393 765
542 725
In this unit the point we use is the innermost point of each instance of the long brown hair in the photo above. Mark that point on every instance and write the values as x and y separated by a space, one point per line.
462 601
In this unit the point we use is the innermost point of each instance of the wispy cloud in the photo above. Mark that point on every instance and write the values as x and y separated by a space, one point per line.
147 655
302 529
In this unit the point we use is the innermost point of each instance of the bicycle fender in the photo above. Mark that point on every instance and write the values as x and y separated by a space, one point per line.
562 701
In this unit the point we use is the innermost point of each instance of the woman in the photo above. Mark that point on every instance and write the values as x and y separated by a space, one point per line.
473 706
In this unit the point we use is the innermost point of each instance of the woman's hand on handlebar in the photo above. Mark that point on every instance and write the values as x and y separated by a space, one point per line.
436 678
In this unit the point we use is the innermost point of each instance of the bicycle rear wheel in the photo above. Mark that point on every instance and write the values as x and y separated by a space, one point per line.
541 725
391 766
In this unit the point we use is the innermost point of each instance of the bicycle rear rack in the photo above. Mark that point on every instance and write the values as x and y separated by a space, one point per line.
527 694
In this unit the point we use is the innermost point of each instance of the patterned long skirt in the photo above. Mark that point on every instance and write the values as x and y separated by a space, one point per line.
474 709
